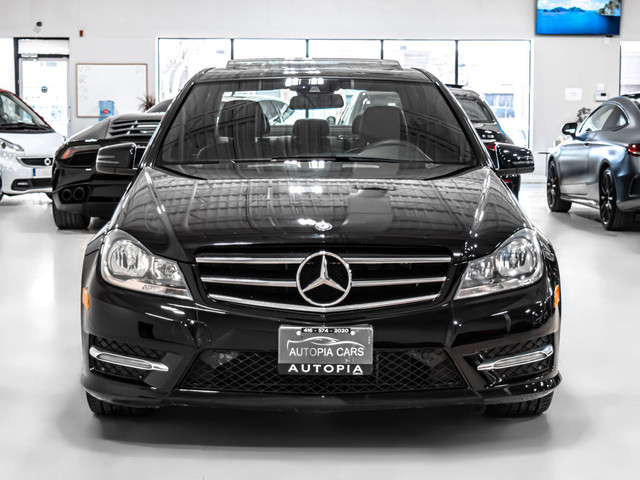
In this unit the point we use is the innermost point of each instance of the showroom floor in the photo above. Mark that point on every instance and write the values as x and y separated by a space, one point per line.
592 430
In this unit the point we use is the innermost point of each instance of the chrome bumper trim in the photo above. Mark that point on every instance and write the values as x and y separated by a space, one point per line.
125 361
515 360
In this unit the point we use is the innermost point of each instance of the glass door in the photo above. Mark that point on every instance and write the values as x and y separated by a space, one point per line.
43 85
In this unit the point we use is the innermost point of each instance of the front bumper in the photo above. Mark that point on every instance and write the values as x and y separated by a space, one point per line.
177 333
18 178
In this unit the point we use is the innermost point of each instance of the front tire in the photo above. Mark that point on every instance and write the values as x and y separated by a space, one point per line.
102 408
610 216
69 220
556 204
521 409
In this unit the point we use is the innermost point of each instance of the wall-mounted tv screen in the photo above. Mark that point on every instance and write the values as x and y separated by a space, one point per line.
578 17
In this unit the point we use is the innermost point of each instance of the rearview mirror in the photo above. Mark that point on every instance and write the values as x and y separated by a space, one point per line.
117 159
308 101
513 160
570 129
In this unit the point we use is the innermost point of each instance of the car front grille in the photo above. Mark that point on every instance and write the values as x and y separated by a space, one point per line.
379 278
24 184
37 162
132 128
257 372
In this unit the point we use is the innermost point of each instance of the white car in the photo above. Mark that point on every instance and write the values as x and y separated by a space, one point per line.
27 147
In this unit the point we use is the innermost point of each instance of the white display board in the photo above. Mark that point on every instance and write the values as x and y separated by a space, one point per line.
124 84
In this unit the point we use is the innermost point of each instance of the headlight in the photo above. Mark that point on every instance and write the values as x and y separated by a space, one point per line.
126 263
12 147
516 263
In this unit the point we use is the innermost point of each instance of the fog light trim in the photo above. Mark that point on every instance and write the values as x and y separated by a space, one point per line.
509 361
125 361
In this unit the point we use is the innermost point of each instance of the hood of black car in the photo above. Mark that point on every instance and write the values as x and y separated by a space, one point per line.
177 216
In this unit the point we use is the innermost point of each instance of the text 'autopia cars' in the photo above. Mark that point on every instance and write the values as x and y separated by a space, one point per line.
377 264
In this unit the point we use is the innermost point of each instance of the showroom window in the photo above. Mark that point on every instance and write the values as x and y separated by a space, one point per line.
344 48
7 70
500 72
629 67
269 48
180 58
438 57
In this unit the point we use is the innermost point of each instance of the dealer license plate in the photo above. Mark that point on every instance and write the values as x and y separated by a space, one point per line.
43 172
325 350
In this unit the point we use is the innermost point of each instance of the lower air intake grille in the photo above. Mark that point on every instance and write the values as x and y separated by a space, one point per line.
125 349
116 370
257 372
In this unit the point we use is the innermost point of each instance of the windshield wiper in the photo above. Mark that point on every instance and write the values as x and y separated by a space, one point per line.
24 126
178 172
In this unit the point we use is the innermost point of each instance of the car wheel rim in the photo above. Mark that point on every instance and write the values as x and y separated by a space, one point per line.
552 186
607 198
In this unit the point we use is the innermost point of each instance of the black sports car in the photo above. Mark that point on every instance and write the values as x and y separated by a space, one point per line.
487 126
600 165
310 266
79 191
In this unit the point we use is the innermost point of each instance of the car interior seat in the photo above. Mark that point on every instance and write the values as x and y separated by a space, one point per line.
311 135
381 123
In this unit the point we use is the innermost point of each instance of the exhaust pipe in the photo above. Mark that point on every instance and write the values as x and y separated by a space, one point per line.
65 195
78 194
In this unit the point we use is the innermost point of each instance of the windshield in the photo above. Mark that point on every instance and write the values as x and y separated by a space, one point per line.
291 118
476 110
14 113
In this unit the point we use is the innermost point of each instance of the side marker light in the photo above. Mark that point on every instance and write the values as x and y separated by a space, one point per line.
85 298
556 296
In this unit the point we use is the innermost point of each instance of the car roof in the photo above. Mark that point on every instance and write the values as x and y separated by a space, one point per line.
277 68
460 91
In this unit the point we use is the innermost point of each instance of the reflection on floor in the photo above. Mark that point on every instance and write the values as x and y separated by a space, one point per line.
592 430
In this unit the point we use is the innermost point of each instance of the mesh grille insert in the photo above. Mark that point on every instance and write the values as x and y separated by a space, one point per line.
257 372
125 348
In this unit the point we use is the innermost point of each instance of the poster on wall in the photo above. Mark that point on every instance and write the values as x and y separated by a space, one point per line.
123 84
578 17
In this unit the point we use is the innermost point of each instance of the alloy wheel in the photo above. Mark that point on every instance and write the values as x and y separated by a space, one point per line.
552 186
607 197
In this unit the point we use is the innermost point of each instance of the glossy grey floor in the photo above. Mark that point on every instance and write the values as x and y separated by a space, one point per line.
592 430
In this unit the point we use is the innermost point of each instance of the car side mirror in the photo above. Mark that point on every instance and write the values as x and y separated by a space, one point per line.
117 159
513 160
570 129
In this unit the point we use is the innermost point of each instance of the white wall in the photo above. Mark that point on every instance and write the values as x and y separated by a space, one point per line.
125 31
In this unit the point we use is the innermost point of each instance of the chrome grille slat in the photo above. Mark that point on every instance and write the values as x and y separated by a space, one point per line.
251 260
268 278
250 281
399 281
373 260
312 309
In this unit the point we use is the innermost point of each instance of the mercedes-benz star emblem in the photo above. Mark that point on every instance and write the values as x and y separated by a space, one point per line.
323 279
48 161
323 226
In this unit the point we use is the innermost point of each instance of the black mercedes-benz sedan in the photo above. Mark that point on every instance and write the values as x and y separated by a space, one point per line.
79 191
308 266
599 166
487 127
